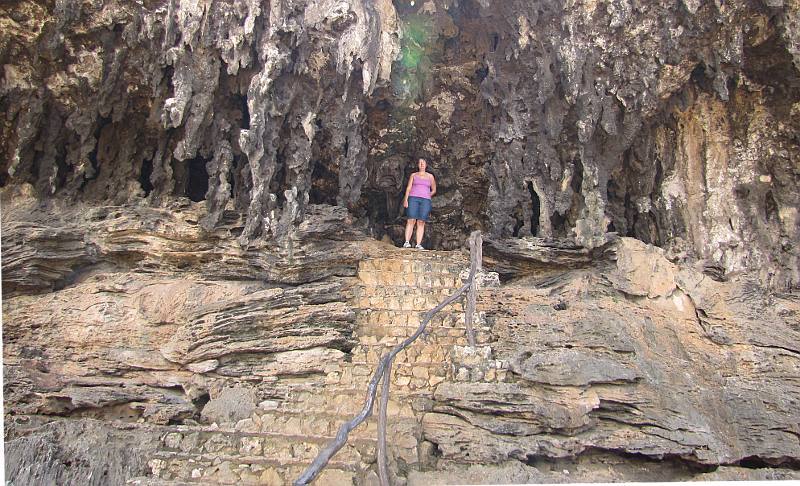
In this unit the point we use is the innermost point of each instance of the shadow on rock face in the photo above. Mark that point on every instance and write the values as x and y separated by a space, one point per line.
77 452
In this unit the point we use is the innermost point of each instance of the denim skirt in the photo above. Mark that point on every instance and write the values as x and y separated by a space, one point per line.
418 208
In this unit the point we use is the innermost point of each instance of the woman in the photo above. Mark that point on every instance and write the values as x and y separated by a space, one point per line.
417 201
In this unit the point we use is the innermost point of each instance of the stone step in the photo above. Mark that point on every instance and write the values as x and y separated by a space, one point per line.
180 468
408 302
413 266
404 381
423 351
437 294
345 398
418 280
401 368
225 457
422 346
256 446
417 303
395 317
382 336
400 418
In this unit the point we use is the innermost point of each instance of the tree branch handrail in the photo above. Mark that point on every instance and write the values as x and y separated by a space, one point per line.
383 371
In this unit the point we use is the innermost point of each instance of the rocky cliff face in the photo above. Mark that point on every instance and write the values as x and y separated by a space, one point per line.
191 194
189 358
671 122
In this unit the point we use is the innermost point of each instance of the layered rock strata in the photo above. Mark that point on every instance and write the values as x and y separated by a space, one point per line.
611 363
191 193
671 122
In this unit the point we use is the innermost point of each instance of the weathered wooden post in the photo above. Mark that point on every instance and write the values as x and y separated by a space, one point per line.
383 469
475 261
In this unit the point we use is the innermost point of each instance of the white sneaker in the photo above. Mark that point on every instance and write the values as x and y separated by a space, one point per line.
406 245
419 247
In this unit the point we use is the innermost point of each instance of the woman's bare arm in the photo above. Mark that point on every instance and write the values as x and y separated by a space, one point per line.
433 185
408 190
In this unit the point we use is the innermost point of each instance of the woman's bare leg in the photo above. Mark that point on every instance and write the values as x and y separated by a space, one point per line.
409 228
420 231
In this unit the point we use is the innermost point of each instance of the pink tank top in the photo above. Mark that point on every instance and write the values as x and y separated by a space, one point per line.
420 187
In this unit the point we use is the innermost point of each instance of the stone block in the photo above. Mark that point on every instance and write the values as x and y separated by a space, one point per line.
417 383
368 278
293 423
157 466
250 446
230 405
190 442
246 425
221 473
219 443
336 477
173 440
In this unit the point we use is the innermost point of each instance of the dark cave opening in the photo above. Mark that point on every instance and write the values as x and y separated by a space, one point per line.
380 220
102 122
558 223
616 206
630 215
701 79
536 206
324 183
277 183
200 402
519 221
756 462
770 63
577 179
245 111
230 177
645 228
197 180
145 172
62 169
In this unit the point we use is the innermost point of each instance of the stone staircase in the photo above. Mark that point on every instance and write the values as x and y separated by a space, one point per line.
281 439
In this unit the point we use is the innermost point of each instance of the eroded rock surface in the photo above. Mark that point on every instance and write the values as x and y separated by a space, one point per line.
192 194
235 365
671 122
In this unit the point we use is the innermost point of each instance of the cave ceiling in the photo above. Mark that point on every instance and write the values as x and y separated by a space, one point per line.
674 122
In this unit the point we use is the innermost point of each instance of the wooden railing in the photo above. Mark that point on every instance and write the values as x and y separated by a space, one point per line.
384 370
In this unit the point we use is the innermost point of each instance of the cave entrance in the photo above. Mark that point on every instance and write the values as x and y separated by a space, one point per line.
144 176
536 208
197 180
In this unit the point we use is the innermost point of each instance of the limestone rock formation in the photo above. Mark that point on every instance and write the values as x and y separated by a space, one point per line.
192 194
671 122
234 365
